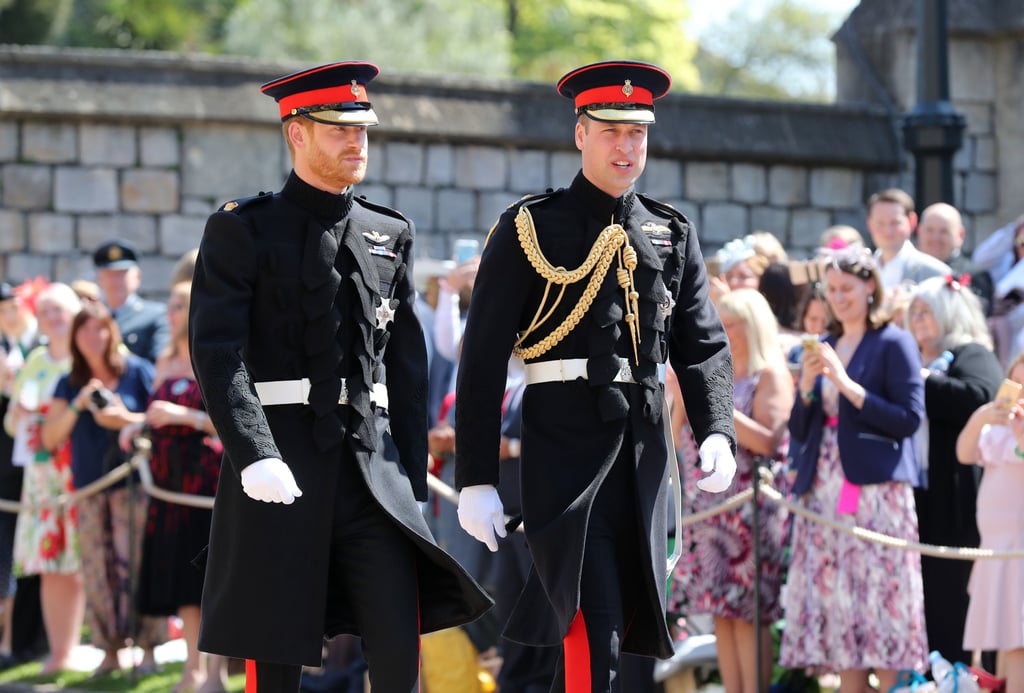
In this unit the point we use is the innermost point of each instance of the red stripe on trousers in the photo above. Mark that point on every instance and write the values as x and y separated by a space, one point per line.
577 657
250 676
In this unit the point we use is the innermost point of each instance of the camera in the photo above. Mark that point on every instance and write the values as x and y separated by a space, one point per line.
102 398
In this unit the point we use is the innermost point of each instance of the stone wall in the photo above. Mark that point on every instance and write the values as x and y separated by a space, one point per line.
95 145
877 63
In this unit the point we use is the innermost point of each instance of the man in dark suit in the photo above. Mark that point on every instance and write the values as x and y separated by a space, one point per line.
313 368
594 456
143 323
941 234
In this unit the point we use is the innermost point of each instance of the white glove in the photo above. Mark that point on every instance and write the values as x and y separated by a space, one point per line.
481 514
269 480
716 457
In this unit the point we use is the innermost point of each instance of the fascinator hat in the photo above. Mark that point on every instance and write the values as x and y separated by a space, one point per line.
853 259
734 252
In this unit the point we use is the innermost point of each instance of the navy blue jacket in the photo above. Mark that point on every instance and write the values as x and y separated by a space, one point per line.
876 442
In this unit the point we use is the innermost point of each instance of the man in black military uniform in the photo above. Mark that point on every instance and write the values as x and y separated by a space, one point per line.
313 368
143 324
593 285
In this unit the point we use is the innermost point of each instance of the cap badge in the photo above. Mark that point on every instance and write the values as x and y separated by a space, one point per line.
627 88
355 88
230 206
375 236
114 254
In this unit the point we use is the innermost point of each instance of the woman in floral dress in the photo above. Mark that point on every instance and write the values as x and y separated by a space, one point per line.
46 540
185 458
716 574
851 605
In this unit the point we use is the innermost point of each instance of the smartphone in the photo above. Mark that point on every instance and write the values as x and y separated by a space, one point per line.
1008 390
466 249
810 343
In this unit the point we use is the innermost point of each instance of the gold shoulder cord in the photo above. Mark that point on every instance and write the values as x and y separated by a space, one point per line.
611 243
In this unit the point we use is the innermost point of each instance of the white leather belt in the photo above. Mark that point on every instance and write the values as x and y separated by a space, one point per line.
274 392
565 370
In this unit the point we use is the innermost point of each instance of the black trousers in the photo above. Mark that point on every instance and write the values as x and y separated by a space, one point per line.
525 669
372 577
609 589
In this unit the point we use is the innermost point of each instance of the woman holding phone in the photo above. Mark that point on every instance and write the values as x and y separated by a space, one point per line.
854 606
105 390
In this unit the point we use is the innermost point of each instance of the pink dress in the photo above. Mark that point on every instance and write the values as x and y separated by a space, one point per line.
995 617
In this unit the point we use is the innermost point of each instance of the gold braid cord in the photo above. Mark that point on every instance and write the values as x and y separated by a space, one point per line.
612 242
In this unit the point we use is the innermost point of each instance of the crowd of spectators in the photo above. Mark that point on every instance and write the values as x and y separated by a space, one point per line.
89 363
855 372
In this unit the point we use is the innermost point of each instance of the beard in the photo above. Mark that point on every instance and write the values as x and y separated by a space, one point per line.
334 170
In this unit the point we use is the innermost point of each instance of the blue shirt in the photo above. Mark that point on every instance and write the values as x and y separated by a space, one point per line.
92 446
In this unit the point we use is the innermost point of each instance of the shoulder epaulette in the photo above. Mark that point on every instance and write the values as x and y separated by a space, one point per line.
242 202
379 208
533 199
663 207
525 200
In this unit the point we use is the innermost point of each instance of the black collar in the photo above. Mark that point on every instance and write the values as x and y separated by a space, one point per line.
600 204
325 206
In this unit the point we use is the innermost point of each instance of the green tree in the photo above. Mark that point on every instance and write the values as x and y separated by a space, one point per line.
551 38
782 51
184 25
33 21
436 36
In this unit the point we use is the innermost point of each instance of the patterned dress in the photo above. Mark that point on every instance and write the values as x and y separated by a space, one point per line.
46 540
716 572
186 461
852 603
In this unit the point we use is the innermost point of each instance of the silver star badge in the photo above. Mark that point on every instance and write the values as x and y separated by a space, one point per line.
385 314
667 304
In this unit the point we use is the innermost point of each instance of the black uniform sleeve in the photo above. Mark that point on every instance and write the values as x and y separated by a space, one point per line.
219 314
699 349
495 316
405 361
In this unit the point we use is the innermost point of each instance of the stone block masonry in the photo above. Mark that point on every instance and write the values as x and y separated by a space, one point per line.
153 142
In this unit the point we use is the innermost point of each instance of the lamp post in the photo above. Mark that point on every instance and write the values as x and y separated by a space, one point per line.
933 130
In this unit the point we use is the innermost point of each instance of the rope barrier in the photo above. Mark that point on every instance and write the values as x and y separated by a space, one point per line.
65 499
961 553
140 461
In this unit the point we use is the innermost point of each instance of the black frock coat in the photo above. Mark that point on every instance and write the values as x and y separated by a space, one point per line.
288 286
947 508
574 432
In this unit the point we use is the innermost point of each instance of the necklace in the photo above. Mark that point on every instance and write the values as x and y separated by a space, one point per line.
845 346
